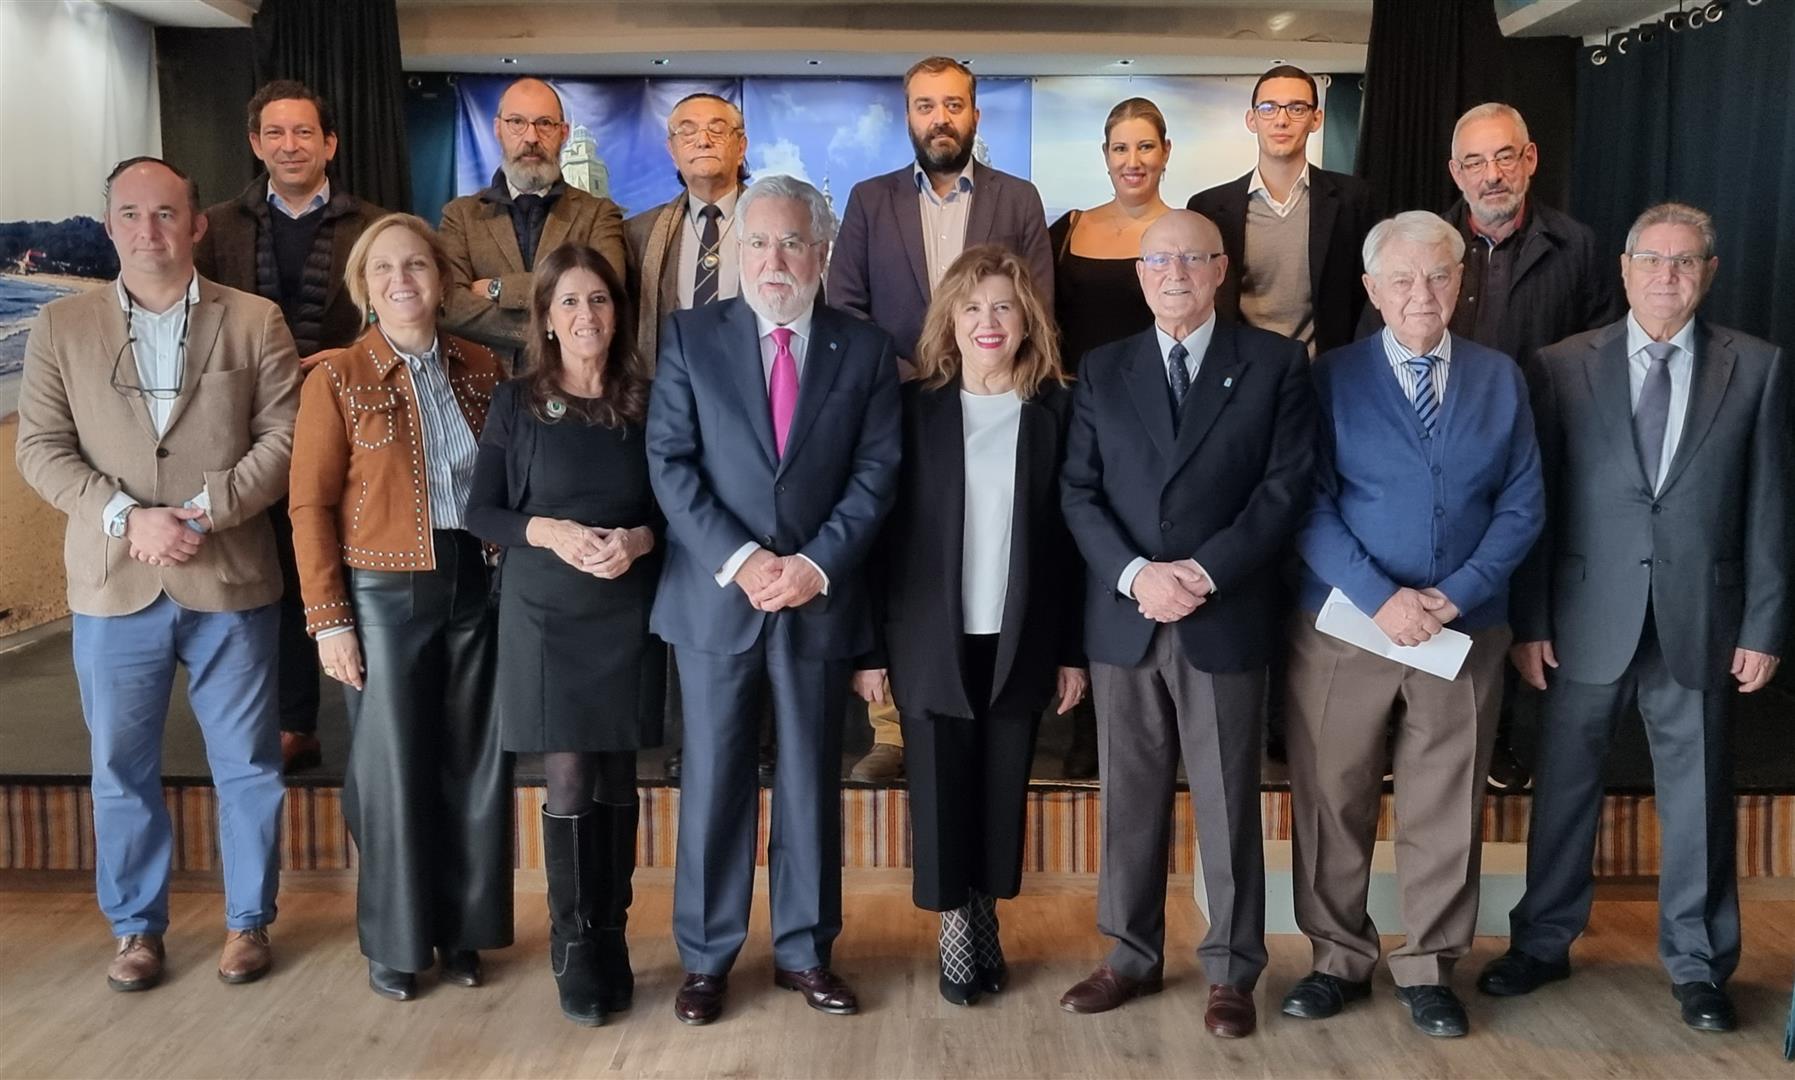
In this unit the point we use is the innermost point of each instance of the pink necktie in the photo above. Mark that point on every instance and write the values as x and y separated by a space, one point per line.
782 388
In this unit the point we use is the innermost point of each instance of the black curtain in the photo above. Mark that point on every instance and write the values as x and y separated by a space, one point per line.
203 79
1429 61
347 50
1702 116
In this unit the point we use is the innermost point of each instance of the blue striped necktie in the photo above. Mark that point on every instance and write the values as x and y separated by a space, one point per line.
1427 402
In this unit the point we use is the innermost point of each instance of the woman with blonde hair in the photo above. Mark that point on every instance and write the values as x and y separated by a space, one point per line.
397 597
976 589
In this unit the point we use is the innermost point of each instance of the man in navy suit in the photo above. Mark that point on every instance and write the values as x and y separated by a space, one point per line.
773 448
1188 467
901 232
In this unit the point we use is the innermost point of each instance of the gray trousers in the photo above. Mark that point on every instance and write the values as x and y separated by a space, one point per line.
1146 716
1689 733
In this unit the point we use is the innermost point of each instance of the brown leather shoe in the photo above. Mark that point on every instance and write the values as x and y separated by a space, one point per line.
881 765
1106 989
138 963
1230 1014
700 998
823 990
247 955
300 750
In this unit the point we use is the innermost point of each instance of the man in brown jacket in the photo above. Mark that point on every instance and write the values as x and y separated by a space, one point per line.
286 238
495 236
157 413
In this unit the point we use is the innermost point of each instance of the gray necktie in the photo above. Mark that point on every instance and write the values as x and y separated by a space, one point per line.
1653 412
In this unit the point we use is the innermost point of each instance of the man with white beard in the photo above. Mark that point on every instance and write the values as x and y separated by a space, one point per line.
773 449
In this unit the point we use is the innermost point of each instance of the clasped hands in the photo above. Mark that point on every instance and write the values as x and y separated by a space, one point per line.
1412 616
603 553
775 582
1168 591
159 535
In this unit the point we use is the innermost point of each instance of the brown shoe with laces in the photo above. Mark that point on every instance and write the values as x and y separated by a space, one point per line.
247 955
138 963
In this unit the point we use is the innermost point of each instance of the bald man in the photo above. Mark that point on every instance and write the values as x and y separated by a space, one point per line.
1187 472
495 236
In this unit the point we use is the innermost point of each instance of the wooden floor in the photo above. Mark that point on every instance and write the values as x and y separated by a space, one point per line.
314 1017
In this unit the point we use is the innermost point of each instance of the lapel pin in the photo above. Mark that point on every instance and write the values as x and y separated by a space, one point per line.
1227 382
832 346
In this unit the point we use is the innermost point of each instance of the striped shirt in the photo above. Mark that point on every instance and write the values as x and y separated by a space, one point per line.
1399 357
449 444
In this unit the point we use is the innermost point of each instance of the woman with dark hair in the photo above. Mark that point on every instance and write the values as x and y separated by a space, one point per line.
397 596
561 483
977 593
1097 298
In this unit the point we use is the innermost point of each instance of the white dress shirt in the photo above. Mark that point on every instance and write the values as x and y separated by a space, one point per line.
729 272
319 198
1196 346
943 220
159 347
1682 375
1256 186
800 344
993 424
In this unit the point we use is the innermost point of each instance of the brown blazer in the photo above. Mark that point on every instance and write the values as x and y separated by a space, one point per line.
481 242
359 497
230 432
653 239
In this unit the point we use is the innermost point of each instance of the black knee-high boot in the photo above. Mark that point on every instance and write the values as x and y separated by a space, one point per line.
574 903
615 856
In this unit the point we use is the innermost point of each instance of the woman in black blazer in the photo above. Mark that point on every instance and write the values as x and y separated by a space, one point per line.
561 482
976 591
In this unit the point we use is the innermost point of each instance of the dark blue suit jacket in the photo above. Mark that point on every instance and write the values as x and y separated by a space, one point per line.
878 269
721 484
1228 489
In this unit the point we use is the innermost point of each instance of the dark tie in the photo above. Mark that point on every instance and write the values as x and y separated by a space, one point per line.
710 261
1653 413
1180 376
1427 401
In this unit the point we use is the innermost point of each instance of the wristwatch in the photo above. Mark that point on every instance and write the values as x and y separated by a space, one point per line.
492 289
116 527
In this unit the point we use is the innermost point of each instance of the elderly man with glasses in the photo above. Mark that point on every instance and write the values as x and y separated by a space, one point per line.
494 236
157 413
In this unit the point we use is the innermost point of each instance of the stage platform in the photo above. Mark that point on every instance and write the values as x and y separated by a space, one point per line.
46 809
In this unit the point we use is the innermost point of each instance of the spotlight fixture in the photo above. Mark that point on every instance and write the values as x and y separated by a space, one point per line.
1124 62
507 59
814 63
967 63
660 61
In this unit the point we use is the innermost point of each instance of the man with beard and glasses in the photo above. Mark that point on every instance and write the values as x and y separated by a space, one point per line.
900 233
773 449
1532 277
487 297
287 238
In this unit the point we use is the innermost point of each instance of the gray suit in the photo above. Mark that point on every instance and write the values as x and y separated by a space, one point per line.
1645 596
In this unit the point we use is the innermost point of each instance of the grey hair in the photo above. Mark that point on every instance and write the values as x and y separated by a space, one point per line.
1416 226
780 186
1675 213
1484 112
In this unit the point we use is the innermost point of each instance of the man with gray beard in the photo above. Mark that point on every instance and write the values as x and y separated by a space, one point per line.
773 449
494 236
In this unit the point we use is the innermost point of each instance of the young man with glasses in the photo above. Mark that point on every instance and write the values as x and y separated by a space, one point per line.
166 463
487 297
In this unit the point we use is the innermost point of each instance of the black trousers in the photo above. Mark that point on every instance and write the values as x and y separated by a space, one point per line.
298 654
968 790
428 797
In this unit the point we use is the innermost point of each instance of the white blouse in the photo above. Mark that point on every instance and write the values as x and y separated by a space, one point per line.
993 424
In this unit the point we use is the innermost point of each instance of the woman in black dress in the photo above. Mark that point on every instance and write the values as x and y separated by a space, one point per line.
1096 293
561 482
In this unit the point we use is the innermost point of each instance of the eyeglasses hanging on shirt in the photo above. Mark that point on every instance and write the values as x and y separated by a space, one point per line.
136 388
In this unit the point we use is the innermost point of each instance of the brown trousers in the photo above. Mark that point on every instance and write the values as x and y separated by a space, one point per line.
1342 703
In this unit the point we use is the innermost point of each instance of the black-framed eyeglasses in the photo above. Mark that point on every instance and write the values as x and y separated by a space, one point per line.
1504 159
1296 110
136 389
545 126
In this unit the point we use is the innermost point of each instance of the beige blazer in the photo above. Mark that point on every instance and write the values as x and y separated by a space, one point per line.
230 431
481 243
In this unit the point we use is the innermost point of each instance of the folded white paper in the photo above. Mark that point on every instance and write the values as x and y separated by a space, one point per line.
1441 655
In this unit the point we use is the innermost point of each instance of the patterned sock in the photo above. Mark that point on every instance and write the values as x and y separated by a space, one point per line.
987 949
957 961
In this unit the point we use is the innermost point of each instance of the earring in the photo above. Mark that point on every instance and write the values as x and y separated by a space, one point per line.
551 335
373 317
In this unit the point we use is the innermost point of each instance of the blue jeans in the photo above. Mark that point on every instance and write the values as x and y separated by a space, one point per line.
126 667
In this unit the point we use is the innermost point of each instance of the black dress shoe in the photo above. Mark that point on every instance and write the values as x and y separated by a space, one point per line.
967 993
1436 1010
459 966
993 980
700 998
1706 1006
767 764
823 990
1507 771
1319 995
391 983
1515 973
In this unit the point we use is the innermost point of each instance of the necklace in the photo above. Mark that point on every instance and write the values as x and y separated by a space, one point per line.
708 257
